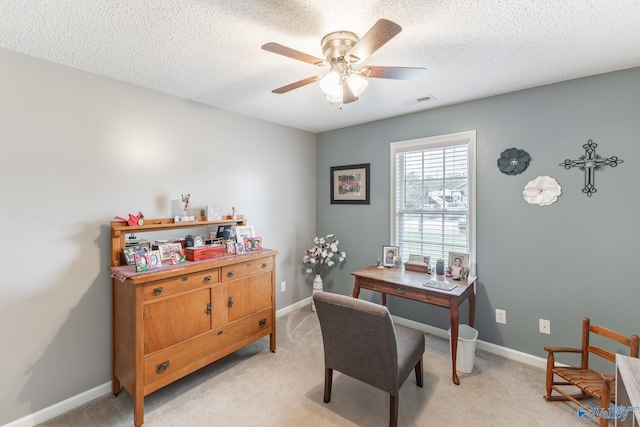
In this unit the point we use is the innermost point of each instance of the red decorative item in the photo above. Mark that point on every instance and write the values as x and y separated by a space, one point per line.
133 219
205 252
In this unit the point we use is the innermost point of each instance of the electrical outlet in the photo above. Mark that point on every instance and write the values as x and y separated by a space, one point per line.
283 286
501 316
545 326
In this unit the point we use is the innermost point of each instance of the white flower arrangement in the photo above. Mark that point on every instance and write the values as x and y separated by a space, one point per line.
323 253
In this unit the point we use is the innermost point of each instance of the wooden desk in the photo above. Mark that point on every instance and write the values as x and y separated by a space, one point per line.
408 284
628 389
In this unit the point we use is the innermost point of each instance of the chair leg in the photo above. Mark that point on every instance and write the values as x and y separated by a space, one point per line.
418 370
549 378
604 402
328 381
393 411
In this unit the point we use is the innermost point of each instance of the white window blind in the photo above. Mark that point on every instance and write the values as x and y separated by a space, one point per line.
432 202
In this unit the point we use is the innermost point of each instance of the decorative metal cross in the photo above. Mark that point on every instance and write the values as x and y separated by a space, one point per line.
590 163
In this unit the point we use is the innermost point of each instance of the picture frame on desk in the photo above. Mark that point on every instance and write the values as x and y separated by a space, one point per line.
350 184
458 265
389 255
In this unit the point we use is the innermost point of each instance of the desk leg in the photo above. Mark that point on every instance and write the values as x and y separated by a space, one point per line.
472 309
384 299
356 289
454 317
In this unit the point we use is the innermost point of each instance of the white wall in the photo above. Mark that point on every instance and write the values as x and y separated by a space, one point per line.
78 149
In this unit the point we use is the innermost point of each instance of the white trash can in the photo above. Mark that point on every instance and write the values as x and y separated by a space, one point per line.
465 356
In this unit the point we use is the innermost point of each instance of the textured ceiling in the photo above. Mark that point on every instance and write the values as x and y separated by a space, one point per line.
209 50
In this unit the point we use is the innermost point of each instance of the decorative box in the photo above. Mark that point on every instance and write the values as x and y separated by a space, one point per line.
204 252
414 266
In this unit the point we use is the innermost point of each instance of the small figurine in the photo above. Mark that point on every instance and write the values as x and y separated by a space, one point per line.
233 212
133 219
185 200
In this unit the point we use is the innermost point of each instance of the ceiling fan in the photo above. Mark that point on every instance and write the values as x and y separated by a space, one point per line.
343 50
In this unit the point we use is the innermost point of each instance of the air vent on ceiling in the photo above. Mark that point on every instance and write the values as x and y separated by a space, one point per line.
425 98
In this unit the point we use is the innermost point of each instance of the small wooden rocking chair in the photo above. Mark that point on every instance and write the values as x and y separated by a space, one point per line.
591 384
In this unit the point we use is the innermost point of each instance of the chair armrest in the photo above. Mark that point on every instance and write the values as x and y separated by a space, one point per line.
562 350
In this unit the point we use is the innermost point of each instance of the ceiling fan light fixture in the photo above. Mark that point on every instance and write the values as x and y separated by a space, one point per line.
343 49
357 83
337 98
330 84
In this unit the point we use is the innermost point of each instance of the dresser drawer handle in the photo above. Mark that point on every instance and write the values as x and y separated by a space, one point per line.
185 278
230 274
207 279
399 290
157 291
248 264
161 367
265 265
262 322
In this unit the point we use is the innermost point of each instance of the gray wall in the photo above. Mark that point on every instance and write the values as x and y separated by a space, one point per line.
78 149
562 262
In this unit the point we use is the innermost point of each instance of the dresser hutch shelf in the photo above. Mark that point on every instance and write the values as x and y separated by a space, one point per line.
170 321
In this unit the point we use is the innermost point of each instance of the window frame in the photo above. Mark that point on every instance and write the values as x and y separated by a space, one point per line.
439 141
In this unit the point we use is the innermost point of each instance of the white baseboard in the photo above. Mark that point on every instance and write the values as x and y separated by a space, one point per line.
61 407
498 350
294 307
73 402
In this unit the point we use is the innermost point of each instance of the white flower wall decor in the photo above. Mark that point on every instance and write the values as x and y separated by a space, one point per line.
542 191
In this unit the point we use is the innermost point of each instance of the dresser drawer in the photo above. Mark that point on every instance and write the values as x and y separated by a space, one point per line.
168 365
242 269
174 285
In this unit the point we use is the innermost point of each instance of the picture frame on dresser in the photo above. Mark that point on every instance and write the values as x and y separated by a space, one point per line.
244 232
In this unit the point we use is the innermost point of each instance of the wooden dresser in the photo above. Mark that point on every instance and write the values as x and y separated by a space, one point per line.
171 321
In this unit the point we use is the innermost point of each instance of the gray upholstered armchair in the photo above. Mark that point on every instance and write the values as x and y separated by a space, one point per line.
361 341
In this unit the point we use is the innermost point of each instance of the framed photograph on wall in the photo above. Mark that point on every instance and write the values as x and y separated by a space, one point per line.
350 184
389 255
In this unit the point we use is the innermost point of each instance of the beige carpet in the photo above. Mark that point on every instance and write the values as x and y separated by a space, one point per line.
254 387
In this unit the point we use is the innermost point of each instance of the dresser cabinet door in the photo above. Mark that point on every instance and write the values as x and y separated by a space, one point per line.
176 319
249 295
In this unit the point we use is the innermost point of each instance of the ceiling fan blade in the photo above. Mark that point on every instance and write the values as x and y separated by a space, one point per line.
296 85
398 73
381 32
295 54
347 94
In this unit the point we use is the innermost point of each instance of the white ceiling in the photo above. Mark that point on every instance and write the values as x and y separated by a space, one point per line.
209 50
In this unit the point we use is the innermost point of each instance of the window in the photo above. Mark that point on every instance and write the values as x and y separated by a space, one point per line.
433 196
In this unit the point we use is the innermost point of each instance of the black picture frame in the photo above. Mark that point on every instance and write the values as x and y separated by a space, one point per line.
350 184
